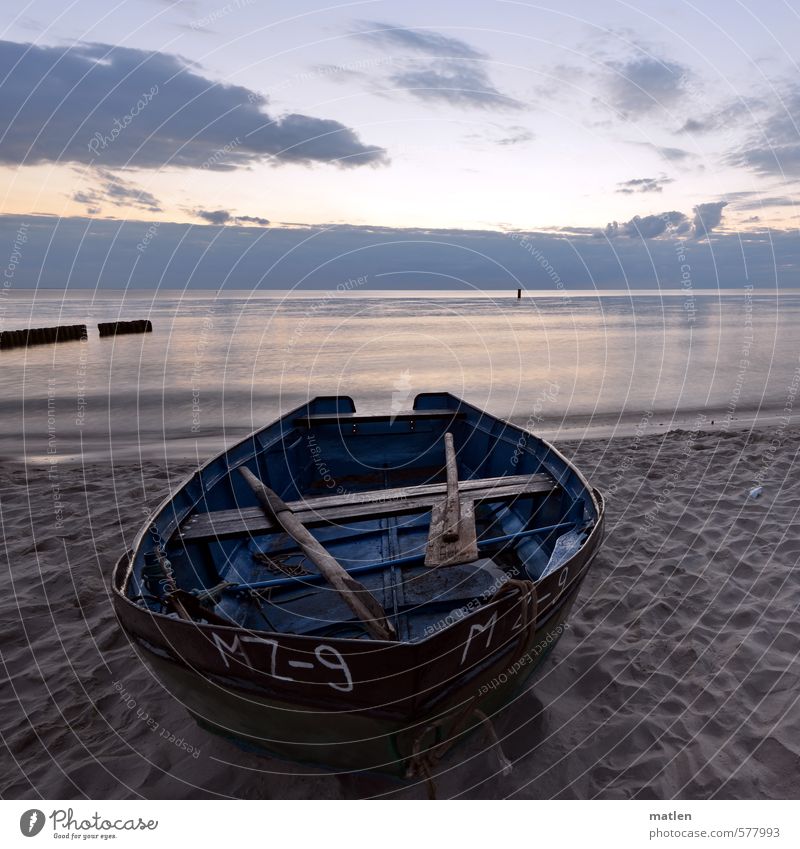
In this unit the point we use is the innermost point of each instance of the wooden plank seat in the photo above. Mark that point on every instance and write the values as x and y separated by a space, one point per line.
360 506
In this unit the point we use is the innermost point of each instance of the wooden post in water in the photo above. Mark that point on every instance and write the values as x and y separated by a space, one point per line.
519 294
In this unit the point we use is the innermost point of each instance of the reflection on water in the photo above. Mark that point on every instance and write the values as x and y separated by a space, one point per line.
219 366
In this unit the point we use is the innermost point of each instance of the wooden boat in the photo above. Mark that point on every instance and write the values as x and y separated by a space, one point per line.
360 591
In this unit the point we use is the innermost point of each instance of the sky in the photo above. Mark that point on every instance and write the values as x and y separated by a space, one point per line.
448 143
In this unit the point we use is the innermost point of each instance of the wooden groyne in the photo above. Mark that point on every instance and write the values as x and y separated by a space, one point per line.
41 336
117 328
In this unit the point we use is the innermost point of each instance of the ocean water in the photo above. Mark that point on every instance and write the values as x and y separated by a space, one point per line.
219 365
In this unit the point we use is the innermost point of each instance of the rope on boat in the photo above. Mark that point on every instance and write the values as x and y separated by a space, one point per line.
423 761
211 593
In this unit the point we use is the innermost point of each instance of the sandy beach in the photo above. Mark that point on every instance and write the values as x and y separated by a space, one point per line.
677 677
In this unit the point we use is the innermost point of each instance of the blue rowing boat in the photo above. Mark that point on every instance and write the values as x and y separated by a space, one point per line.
360 591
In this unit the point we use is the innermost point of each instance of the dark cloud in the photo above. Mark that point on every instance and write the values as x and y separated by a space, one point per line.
214 216
641 85
253 219
416 41
122 106
648 226
774 149
109 188
456 83
707 216
643 185
202 255
222 216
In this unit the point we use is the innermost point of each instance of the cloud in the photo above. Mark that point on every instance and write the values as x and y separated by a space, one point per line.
723 117
223 216
253 219
755 200
643 185
458 84
648 226
199 256
641 85
416 41
707 216
436 67
113 189
516 135
774 149
120 106
671 154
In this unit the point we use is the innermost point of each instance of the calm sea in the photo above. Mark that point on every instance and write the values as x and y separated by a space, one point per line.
219 365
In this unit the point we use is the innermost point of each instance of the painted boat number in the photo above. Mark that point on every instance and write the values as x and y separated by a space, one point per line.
328 656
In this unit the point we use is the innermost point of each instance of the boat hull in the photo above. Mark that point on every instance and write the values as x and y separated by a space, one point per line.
382 738
324 695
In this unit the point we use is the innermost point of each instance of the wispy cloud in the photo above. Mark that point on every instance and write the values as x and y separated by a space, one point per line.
114 190
456 84
643 185
437 68
427 42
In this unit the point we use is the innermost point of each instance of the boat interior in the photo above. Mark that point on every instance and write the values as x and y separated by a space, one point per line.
371 489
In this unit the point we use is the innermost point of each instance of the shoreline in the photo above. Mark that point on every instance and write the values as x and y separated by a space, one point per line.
177 447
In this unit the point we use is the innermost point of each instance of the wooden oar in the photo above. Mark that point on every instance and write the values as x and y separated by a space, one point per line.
354 594
452 509
452 538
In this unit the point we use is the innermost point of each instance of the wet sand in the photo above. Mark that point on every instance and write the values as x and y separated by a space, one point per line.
679 675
